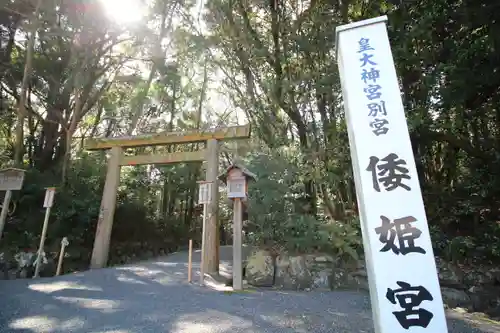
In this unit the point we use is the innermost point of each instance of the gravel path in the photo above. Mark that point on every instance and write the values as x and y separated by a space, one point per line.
155 297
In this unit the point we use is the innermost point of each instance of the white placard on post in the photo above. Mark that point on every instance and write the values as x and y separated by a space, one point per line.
49 197
404 285
236 187
204 192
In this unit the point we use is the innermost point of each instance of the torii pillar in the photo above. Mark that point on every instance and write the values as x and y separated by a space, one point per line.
211 252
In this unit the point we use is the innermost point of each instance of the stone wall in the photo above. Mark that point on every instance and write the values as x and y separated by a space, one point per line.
301 272
472 288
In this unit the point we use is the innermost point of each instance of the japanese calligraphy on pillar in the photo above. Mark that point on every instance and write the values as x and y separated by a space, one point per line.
370 75
403 277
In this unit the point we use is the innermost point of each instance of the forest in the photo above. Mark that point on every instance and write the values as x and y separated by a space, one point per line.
70 71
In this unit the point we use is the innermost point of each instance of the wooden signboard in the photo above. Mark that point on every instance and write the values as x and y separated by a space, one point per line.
11 179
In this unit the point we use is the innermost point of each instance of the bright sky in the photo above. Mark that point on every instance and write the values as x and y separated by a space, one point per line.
124 11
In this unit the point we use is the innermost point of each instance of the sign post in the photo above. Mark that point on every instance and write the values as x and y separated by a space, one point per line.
237 178
404 286
204 198
190 260
49 199
11 179
236 185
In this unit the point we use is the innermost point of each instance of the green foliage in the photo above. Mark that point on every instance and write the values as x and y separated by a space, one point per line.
138 230
482 246
344 238
277 218
74 213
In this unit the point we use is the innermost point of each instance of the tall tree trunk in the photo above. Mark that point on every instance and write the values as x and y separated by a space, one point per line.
31 129
22 112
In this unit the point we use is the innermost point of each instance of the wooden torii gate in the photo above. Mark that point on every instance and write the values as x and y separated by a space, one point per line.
117 159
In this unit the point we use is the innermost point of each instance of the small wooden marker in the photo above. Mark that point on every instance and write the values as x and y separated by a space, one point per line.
64 243
190 260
